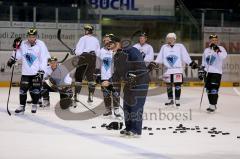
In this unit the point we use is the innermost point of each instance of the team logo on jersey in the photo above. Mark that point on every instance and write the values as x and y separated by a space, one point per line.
30 58
171 59
107 62
210 59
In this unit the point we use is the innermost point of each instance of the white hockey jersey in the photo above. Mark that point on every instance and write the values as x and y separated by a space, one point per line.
212 61
173 58
106 63
87 43
146 50
33 58
66 81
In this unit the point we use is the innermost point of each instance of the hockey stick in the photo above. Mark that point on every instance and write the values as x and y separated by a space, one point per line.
9 92
71 51
64 59
204 80
86 107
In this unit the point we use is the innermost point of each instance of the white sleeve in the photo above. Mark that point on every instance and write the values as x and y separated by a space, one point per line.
68 79
150 55
203 58
18 54
159 58
80 47
223 53
98 48
185 55
44 55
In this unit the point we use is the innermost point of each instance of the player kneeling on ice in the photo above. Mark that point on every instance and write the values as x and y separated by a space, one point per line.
110 93
211 70
53 84
173 56
130 67
31 52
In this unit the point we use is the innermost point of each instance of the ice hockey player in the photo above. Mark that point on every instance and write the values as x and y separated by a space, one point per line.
173 56
64 89
145 49
110 94
88 46
211 70
130 67
32 53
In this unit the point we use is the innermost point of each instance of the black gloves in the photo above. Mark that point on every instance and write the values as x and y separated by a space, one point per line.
131 80
201 73
17 42
193 65
152 66
215 48
40 74
11 61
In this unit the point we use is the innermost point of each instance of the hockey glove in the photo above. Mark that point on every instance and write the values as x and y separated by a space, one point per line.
40 74
193 65
201 73
152 66
215 48
132 81
11 61
16 43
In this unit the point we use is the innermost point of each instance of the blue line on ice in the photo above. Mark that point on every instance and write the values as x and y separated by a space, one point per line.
93 137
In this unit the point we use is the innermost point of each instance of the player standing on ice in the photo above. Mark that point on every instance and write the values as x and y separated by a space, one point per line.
109 93
211 70
32 52
130 67
64 89
145 49
173 56
88 46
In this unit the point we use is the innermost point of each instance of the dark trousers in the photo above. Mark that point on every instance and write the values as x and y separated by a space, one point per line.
212 84
86 69
133 104
111 95
31 83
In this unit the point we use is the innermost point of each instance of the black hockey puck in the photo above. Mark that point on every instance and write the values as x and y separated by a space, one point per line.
94 127
198 131
150 129
226 133
163 128
193 129
210 132
182 131
103 125
158 128
213 128
180 125
205 128
150 133
174 132
170 127
144 128
212 135
238 137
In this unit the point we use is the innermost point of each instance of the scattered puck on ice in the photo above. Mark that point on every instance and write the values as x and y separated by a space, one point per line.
182 131
192 128
225 133
158 128
144 128
94 127
205 128
163 128
103 125
210 132
180 125
198 131
174 132
212 135
213 128
170 127
238 137
150 129
150 133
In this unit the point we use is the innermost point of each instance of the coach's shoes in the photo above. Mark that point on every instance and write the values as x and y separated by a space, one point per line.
34 108
90 98
170 102
177 102
132 135
20 109
116 112
212 108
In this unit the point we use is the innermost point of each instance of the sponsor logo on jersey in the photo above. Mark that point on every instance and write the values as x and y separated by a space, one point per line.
171 59
30 58
107 63
210 59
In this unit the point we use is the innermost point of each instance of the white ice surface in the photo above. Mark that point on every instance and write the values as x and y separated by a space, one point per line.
45 136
